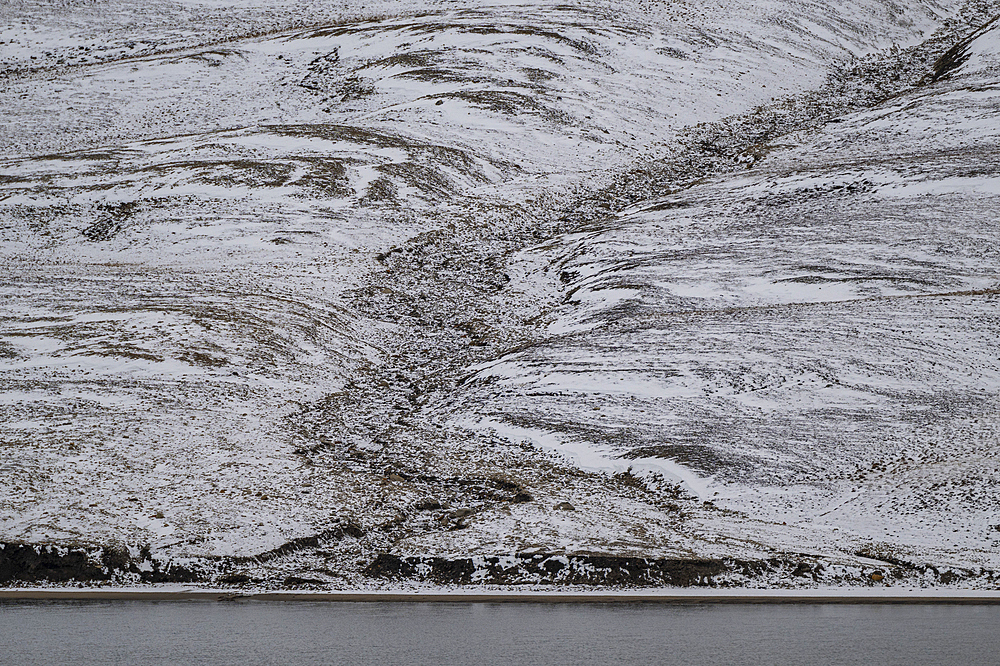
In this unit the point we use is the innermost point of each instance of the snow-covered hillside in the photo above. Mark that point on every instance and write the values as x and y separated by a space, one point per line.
286 290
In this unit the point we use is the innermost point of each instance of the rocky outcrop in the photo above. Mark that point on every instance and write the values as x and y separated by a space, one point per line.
29 563
610 570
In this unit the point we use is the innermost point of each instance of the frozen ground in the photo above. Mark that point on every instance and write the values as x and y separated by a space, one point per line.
286 291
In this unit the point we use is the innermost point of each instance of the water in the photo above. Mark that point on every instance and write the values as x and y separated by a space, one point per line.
485 633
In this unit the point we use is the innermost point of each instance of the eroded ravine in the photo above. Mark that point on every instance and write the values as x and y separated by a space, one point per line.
372 459
469 332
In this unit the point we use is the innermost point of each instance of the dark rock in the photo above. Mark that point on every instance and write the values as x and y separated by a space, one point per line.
389 566
296 581
35 563
549 569
23 562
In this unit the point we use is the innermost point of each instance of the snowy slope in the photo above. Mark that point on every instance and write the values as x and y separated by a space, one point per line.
813 342
269 269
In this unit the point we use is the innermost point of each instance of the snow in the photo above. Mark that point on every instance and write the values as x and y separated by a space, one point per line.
830 351
593 459
189 215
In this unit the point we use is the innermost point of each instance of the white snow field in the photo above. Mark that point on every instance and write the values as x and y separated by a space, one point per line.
285 290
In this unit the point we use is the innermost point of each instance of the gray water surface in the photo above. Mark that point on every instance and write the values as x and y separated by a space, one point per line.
140 632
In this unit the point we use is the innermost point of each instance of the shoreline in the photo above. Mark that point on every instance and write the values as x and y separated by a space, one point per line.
674 597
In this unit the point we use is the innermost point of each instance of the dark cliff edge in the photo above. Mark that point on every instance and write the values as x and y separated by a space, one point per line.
627 572
27 564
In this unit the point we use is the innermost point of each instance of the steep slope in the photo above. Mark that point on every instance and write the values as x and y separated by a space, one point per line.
810 345
274 303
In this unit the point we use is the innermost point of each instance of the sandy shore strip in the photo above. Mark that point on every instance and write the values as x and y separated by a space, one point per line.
729 596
